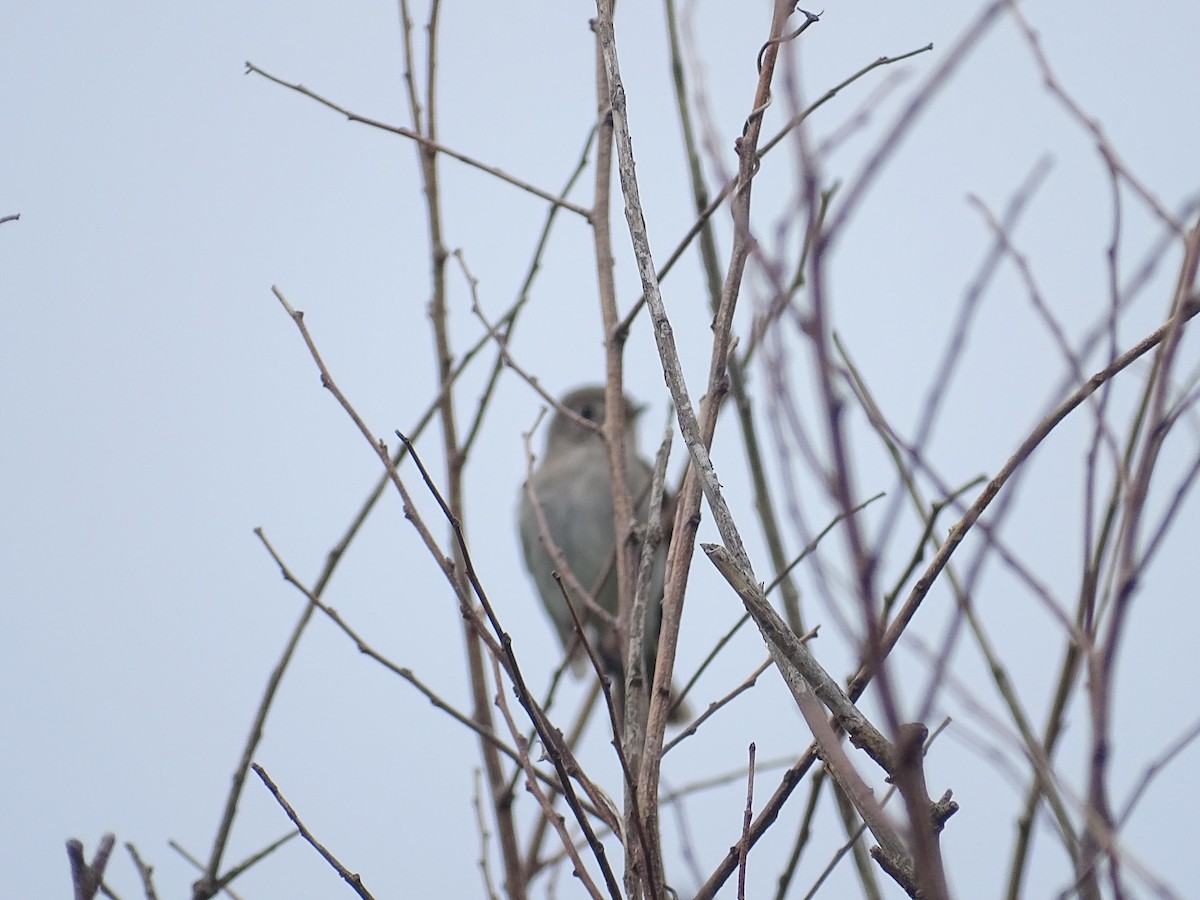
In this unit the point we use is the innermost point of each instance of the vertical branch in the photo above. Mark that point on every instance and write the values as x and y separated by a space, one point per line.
1102 659
737 380
698 435
614 349
88 878
636 875
747 818
514 877
928 867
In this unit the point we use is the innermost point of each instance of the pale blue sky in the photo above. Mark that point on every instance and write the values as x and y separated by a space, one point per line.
159 404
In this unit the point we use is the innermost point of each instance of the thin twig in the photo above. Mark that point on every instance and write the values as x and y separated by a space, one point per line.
351 878
145 872
560 755
747 818
544 800
87 878
717 705
485 834
367 650
424 141
225 889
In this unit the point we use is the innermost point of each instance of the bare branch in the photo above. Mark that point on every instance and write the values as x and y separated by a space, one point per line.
351 878
426 142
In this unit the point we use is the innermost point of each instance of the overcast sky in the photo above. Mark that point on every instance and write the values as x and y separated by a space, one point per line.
159 404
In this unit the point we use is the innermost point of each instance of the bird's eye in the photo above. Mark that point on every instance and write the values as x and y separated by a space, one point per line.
588 411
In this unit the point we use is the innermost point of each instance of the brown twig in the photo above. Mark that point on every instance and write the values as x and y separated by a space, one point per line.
595 612
367 650
747 818
921 588
209 883
809 682
705 212
509 319
425 142
484 837
628 770
696 435
890 142
506 357
225 888
717 705
351 878
775 582
532 863
145 872
544 800
560 755
643 861
87 878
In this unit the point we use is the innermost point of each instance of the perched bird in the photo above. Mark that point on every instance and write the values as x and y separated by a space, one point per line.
573 488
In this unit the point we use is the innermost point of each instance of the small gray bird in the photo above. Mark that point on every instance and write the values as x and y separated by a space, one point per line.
573 489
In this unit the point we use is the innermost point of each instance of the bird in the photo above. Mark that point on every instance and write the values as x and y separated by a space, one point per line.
572 486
